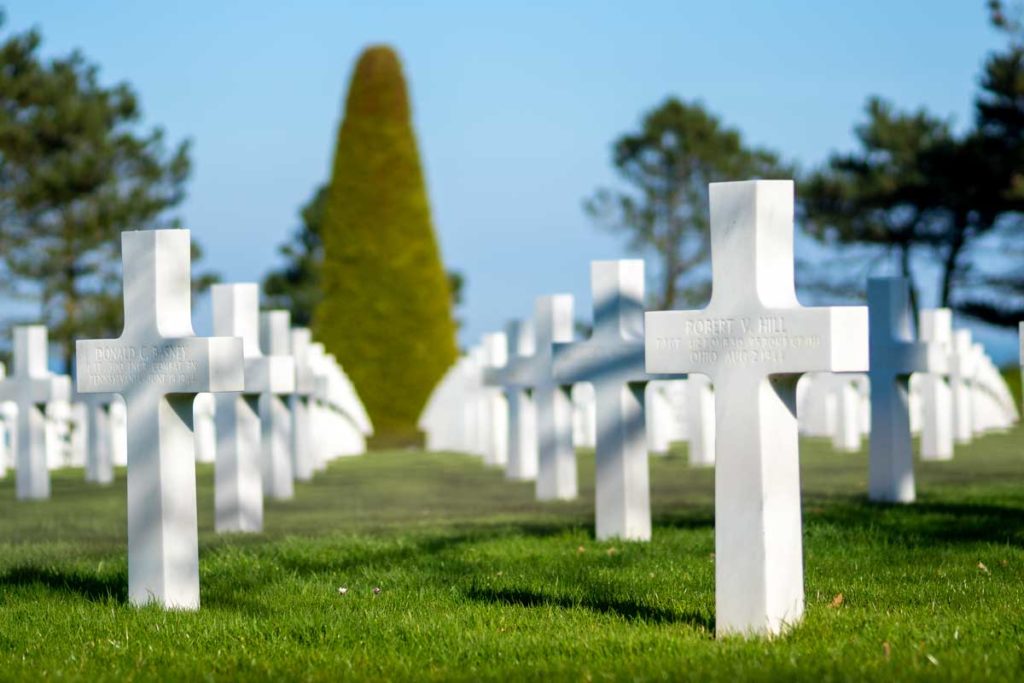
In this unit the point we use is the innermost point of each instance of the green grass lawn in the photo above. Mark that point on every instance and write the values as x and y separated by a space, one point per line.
478 581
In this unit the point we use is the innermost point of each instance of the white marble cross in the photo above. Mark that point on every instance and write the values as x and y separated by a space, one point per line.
496 446
754 340
118 414
275 416
99 463
961 384
204 426
158 365
556 459
700 421
612 361
319 407
660 418
58 430
936 327
238 492
847 406
522 415
305 387
31 387
894 355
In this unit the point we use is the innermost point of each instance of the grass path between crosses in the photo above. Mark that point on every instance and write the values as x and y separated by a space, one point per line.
479 582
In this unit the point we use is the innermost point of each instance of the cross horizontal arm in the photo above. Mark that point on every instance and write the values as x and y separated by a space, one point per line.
593 361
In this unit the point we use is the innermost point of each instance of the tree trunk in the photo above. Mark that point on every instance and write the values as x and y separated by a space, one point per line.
668 287
950 265
908 273
67 342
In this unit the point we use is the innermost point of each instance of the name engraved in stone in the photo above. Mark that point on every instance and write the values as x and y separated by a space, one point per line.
737 341
124 366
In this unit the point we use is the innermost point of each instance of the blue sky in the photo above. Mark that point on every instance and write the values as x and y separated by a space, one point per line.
515 106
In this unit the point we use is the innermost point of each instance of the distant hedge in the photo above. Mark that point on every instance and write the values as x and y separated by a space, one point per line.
386 310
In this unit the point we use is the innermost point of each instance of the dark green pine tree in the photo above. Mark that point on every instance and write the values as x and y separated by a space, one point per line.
75 172
914 186
296 286
386 310
666 165
998 294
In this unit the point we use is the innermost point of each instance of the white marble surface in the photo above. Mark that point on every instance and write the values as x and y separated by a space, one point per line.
584 415
204 427
495 356
961 382
658 413
238 476
753 340
275 414
305 385
31 386
700 416
99 459
847 402
556 460
895 354
612 362
936 327
521 411
158 365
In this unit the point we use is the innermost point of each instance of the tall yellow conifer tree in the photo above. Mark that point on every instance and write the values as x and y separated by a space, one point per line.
386 312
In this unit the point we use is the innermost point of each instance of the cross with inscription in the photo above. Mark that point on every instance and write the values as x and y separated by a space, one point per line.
754 340
522 425
158 365
238 492
612 360
894 355
31 387
275 415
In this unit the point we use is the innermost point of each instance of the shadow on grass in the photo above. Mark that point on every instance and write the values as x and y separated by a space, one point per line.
419 550
929 522
627 609
690 520
90 587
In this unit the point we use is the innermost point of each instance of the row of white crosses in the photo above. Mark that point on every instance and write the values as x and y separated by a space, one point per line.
158 366
838 405
466 415
753 343
31 387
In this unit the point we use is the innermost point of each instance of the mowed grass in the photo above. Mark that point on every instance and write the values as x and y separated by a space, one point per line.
480 582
